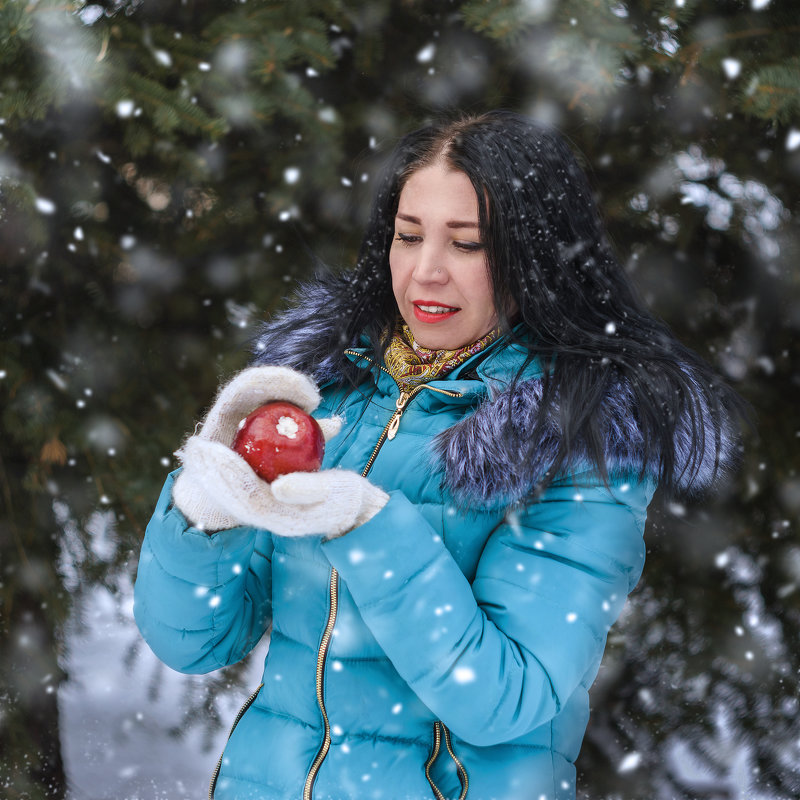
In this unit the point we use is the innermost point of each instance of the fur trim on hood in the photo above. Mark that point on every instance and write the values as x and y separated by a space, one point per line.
489 475
480 451
304 336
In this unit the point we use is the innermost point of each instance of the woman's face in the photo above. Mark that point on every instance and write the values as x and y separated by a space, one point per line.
438 262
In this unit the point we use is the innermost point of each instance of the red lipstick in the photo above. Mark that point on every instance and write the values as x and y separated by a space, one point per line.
427 316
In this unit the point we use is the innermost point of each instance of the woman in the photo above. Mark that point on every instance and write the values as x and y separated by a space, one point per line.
439 594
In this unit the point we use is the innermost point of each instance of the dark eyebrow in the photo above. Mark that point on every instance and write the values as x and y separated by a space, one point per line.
452 224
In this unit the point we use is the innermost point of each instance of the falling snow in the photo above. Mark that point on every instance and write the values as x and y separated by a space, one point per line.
464 675
125 108
427 53
701 672
45 206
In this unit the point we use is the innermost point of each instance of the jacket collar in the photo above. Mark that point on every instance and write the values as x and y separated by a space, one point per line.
493 367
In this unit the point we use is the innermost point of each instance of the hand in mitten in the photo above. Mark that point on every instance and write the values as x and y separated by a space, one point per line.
333 501
328 503
247 391
253 387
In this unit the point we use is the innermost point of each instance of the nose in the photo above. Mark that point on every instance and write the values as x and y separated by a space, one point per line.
431 264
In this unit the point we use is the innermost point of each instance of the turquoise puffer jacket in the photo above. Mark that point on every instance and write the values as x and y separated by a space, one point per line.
433 652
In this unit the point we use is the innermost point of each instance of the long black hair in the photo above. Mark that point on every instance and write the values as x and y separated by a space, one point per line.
574 307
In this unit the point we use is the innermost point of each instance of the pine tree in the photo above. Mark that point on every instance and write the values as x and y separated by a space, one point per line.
168 171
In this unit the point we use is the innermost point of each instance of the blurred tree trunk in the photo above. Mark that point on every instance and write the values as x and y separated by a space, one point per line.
30 613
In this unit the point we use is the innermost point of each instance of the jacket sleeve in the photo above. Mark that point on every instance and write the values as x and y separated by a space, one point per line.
499 657
201 601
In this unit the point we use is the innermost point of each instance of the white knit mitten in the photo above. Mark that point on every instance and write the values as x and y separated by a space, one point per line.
328 503
247 391
333 501
250 389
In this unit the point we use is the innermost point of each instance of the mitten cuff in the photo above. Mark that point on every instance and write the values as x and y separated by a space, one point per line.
372 501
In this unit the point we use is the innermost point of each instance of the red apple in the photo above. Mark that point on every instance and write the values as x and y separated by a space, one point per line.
278 438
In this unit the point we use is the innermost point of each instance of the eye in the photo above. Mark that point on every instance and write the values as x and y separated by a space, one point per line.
407 238
468 247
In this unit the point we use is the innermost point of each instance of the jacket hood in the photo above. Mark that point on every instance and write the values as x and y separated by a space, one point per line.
481 455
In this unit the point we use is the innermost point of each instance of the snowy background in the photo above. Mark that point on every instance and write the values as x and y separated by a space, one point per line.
169 171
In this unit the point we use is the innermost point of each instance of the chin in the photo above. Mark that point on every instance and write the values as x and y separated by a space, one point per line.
439 340
439 343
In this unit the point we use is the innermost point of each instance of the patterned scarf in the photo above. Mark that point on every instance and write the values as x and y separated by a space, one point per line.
411 364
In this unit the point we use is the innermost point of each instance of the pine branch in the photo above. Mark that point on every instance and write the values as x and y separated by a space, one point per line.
502 20
774 92
693 53
168 109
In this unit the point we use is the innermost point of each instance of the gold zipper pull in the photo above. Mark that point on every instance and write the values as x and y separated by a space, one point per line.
394 423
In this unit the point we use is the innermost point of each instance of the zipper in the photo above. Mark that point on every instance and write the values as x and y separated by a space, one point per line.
440 729
462 772
389 432
394 422
322 655
247 703
437 743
